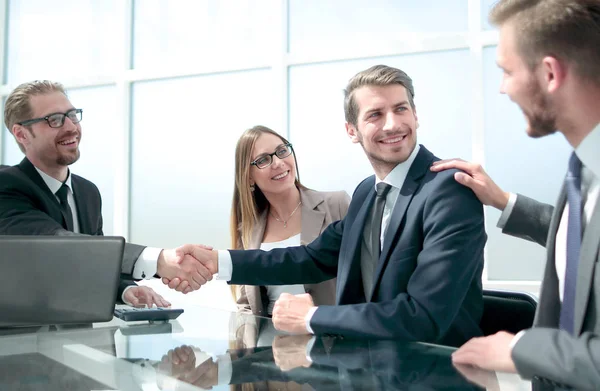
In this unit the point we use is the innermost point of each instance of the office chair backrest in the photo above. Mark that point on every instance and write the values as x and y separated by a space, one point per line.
507 311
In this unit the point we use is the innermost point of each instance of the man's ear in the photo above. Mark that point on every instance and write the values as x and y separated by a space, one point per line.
352 132
22 134
554 73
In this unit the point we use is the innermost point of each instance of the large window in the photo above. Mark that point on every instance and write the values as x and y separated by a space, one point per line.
167 87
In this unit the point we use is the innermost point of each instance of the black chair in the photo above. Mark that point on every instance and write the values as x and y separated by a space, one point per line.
507 311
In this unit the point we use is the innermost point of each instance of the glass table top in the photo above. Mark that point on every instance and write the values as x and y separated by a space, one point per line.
212 349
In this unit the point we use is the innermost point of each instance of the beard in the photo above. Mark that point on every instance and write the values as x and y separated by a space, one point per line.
68 160
541 118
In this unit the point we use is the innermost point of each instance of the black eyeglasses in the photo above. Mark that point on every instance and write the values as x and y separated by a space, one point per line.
264 161
56 120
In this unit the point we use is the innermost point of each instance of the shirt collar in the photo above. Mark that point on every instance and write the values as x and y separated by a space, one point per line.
587 151
397 176
53 183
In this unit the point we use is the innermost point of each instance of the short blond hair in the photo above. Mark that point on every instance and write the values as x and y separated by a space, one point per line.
17 107
378 75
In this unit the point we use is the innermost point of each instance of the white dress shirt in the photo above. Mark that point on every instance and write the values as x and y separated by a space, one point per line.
587 152
274 291
395 178
146 263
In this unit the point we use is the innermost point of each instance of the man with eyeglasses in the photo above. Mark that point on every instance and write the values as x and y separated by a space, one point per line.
408 256
40 196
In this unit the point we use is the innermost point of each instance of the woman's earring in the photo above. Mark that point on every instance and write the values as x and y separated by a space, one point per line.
252 187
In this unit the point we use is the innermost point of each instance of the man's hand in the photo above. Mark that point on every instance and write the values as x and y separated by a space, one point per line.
290 311
140 296
289 351
180 363
492 353
183 264
475 178
480 377
204 256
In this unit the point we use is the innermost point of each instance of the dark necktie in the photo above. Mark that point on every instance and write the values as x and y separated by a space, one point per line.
64 206
573 186
368 265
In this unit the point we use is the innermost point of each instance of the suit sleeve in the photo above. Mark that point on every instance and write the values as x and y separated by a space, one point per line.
529 220
310 264
451 258
555 355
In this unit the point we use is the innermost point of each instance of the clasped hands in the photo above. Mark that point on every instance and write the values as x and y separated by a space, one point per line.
188 267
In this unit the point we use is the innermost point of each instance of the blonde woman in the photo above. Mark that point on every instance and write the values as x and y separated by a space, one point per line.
270 209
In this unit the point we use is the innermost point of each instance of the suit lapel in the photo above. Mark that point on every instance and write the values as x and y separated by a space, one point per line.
32 174
585 268
349 265
312 218
410 186
29 169
548 311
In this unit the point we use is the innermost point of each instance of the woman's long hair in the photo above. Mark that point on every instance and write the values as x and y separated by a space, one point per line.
248 205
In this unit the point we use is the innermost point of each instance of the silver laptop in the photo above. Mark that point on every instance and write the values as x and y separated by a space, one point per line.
58 279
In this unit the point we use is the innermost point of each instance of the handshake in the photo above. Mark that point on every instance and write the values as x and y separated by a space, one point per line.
188 267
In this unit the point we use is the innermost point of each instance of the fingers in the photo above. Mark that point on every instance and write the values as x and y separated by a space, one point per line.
204 246
180 286
184 353
468 167
442 162
465 179
144 296
130 297
159 300
469 354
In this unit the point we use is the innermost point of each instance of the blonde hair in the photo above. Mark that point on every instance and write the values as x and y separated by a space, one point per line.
17 107
248 205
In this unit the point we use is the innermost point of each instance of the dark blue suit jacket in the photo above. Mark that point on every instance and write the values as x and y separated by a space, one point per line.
428 280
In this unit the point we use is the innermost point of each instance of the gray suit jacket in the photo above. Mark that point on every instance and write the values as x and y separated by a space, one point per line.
545 352
319 209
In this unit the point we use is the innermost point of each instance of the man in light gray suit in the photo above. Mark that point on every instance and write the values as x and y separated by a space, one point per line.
549 53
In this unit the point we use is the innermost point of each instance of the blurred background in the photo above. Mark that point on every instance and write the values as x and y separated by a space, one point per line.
168 86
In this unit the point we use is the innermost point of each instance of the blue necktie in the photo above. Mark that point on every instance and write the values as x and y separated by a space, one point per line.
574 234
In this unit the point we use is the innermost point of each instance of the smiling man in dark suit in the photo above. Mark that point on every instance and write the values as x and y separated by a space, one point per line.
548 52
408 261
40 196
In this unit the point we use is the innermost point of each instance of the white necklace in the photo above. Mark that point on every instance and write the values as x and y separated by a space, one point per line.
288 219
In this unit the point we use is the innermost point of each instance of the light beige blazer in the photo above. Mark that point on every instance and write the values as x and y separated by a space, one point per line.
319 209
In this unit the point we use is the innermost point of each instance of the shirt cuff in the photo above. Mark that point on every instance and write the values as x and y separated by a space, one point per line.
308 317
146 264
123 295
225 265
512 199
516 339
224 368
309 346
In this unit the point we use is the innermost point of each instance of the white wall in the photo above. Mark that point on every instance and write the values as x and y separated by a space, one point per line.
167 87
